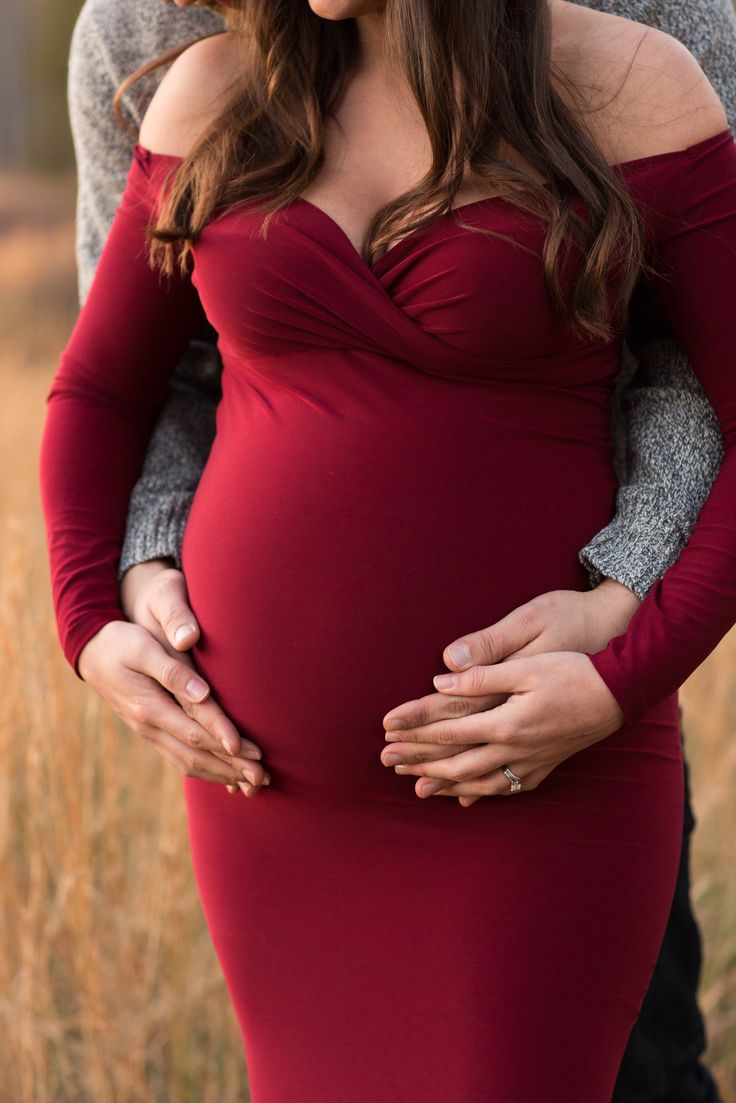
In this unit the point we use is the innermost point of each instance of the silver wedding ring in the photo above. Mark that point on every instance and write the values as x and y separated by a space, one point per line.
515 781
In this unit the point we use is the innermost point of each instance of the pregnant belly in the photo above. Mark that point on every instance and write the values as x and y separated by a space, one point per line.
331 560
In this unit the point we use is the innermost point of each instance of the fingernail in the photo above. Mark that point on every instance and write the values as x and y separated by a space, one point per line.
183 632
460 654
251 752
392 759
196 689
227 746
266 779
401 769
429 788
444 681
395 724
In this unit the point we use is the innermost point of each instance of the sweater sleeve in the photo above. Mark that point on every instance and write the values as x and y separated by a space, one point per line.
671 450
108 389
109 41
693 605
175 459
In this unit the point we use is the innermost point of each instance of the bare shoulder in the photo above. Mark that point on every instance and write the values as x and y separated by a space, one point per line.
190 95
639 90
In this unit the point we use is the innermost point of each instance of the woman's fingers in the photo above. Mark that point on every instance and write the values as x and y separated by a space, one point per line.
130 670
154 596
193 694
438 706
210 716
154 711
191 762
495 784
466 766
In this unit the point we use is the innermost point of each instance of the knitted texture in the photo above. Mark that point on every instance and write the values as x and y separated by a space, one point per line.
667 443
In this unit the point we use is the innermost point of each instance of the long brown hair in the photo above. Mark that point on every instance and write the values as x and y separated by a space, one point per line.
482 75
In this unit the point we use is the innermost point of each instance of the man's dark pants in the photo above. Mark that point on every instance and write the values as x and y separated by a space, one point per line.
661 1063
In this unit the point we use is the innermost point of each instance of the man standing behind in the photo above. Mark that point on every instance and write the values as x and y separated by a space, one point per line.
111 39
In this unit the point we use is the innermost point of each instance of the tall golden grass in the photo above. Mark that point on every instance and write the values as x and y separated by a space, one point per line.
110 990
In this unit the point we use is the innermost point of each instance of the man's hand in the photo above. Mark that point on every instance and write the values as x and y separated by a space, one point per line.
561 620
138 669
556 707
154 595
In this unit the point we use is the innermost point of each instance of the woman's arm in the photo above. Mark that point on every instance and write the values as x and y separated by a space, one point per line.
670 446
688 611
103 401
105 397
142 669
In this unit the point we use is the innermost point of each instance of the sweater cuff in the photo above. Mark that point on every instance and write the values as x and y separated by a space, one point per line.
635 548
155 529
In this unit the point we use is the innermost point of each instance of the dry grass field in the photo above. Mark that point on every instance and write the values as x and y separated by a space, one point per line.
109 988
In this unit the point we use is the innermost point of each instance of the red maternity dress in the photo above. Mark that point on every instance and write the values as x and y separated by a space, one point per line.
405 451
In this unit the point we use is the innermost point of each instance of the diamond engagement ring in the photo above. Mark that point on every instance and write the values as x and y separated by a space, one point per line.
515 781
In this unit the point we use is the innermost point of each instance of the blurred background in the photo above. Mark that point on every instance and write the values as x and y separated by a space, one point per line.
109 988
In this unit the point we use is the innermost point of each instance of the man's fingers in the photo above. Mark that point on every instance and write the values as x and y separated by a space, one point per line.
395 753
494 726
492 644
169 605
437 706
507 677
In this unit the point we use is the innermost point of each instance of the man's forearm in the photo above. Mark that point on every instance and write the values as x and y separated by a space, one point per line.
674 451
110 40
174 461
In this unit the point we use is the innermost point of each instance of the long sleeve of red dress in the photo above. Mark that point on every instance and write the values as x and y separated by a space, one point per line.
108 389
689 610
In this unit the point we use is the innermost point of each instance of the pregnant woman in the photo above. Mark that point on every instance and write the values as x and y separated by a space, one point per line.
416 238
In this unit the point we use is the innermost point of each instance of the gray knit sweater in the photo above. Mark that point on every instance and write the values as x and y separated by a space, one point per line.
667 442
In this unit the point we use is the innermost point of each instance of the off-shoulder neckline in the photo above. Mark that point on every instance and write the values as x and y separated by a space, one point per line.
647 159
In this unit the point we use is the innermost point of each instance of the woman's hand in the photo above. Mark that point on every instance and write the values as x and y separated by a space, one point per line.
556 704
538 726
138 670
